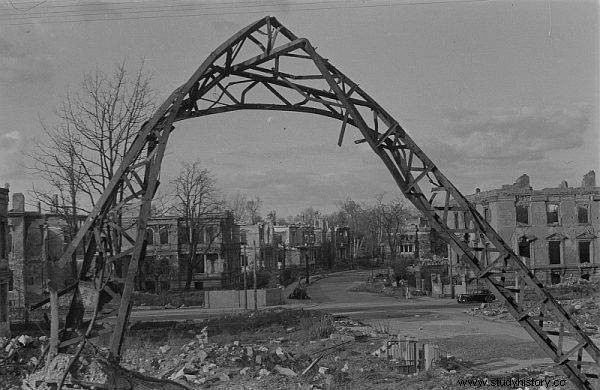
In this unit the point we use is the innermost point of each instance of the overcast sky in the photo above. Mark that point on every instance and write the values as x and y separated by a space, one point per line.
489 89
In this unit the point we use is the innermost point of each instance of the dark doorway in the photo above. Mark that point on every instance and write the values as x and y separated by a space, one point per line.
554 278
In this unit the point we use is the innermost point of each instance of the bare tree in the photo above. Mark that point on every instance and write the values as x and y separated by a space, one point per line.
237 203
80 154
391 217
243 208
197 202
253 207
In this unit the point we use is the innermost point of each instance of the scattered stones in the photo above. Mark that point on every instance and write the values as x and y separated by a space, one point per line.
264 372
24 340
285 371
323 370
345 368
342 337
203 336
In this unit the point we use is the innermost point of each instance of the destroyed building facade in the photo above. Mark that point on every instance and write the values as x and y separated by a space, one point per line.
5 272
165 265
553 230
25 252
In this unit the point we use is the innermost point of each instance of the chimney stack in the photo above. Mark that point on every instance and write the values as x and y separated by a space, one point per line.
523 181
55 204
589 179
18 202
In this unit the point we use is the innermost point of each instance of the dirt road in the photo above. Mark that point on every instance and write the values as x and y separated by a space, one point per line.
497 347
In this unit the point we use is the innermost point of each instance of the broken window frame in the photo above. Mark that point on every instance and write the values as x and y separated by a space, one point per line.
486 214
589 251
524 243
163 235
560 252
556 213
150 236
520 221
586 207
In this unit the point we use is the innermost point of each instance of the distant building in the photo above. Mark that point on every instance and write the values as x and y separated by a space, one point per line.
258 246
5 272
297 245
554 230
25 253
341 244
419 241
165 266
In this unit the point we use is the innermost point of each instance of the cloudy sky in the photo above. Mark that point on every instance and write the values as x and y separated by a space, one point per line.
489 89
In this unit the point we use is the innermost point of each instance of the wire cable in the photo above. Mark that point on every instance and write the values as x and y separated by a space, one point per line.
226 11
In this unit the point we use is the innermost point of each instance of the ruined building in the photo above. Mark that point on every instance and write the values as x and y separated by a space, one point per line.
25 254
554 230
165 266
5 273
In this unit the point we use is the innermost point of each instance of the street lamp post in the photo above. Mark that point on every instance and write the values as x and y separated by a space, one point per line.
245 280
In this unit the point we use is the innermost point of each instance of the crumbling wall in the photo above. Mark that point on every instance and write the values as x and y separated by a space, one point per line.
501 207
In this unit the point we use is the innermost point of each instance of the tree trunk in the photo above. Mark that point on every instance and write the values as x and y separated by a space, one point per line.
190 271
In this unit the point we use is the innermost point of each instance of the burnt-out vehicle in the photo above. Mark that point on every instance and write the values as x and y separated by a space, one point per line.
477 295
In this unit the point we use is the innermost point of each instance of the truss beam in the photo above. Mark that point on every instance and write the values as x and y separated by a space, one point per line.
294 77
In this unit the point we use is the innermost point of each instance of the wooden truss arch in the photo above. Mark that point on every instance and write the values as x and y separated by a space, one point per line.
257 69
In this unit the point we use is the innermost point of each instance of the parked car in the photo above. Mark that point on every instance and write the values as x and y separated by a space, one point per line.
477 295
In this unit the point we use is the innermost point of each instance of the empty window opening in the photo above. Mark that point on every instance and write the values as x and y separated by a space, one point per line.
554 252
199 235
582 213
523 214
164 235
150 236
183 234
524 248
584 251
551 213
554 278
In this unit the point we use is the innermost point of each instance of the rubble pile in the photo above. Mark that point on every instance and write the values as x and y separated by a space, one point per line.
18 356
495 311
200 363
586 311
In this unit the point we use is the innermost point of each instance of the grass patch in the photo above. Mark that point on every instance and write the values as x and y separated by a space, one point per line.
316 327
175 299
232 324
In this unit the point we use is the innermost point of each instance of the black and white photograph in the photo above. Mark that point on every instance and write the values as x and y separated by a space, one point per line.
299 194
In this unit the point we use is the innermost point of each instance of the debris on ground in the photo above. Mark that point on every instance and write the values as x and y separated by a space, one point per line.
264 350
19 356
299 292
583 302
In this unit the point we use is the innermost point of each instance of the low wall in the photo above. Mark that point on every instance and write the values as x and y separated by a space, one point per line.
216 299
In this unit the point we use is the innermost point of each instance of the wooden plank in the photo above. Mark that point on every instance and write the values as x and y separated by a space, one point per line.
387 134
343 129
